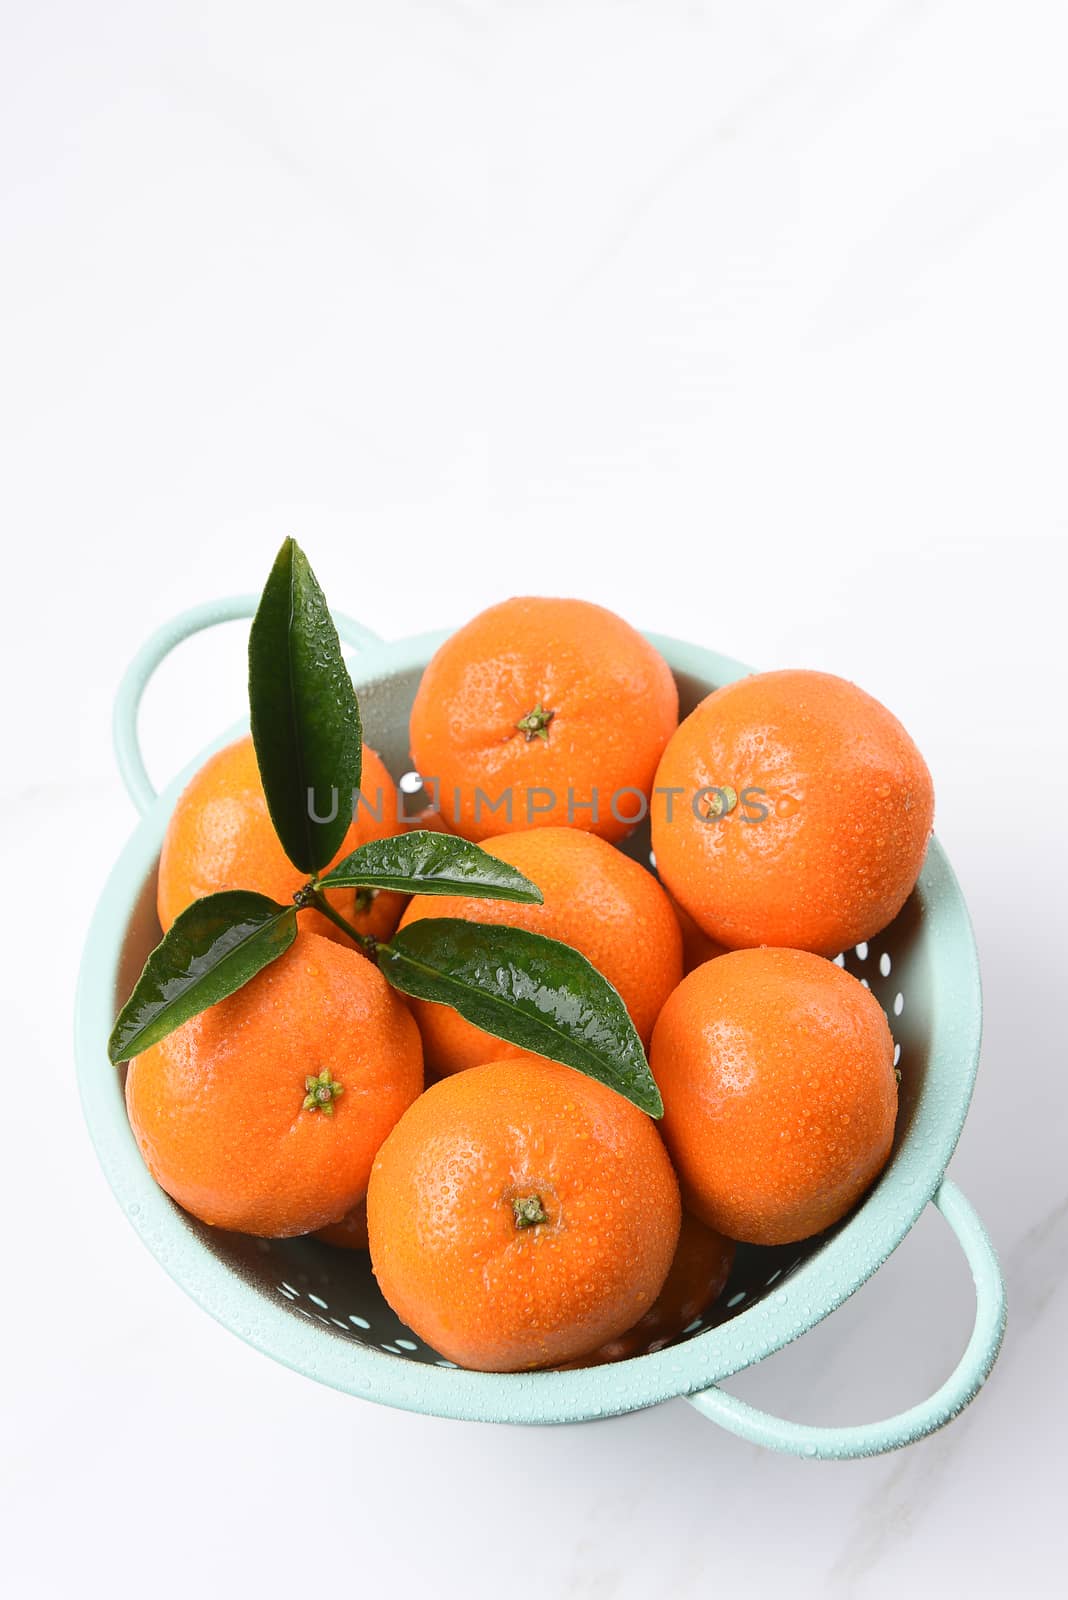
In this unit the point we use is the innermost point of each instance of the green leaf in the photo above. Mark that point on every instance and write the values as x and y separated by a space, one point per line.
432 863
214 946
535 992
305 715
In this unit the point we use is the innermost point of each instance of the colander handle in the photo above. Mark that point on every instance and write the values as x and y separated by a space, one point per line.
156 649
875 1438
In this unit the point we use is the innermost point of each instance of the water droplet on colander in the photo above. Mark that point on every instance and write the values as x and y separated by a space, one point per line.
135 1210
810 1450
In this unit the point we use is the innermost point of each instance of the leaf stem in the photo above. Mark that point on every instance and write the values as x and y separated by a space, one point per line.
312 895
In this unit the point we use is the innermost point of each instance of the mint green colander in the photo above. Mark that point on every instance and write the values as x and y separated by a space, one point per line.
319 1311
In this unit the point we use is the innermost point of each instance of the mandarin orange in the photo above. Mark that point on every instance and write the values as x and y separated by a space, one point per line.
217 1107
777 1072
599 901
520 1214
220 836
698 1273
697 947
348 1234
791 809
543 713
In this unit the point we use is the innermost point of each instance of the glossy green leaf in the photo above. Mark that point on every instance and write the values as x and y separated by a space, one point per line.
305 715
214 947
432 863
535 992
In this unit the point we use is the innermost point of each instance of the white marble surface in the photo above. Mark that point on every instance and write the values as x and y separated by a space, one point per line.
746 320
